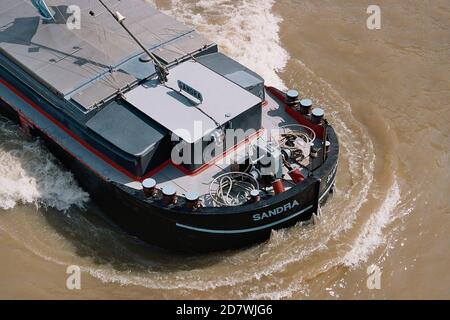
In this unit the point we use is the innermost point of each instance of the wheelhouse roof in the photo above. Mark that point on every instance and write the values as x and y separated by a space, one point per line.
69 61
222 101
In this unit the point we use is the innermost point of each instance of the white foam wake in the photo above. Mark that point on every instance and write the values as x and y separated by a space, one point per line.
247 30
372 236
30 175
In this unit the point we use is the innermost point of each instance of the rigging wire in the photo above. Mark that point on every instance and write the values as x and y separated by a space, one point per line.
161 70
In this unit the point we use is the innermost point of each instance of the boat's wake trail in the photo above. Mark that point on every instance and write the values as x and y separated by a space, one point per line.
247 30
30 175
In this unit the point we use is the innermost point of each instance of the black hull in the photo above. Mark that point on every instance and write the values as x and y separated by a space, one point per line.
209 229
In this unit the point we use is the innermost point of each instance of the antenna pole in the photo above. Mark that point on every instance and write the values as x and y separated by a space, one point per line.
161 70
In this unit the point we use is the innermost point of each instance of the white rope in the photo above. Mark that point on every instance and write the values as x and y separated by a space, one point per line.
233 188
298 139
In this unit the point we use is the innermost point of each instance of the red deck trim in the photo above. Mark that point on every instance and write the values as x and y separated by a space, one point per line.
318 130
159 168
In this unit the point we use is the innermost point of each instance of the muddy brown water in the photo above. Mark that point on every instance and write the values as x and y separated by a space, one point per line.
386 92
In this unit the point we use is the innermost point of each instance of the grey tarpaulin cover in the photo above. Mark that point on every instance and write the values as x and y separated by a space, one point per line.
67 60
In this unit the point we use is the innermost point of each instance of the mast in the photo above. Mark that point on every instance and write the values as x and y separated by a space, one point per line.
161 70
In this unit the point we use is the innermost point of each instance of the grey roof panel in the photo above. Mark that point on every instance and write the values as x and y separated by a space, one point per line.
243 78
65 75
30 61
223 99
139 70
101 89
69 59
174 50
235 72
171 110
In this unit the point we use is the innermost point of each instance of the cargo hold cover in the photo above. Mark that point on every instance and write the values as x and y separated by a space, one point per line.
67 60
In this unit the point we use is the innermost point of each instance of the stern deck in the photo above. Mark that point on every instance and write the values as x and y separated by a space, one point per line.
273 116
